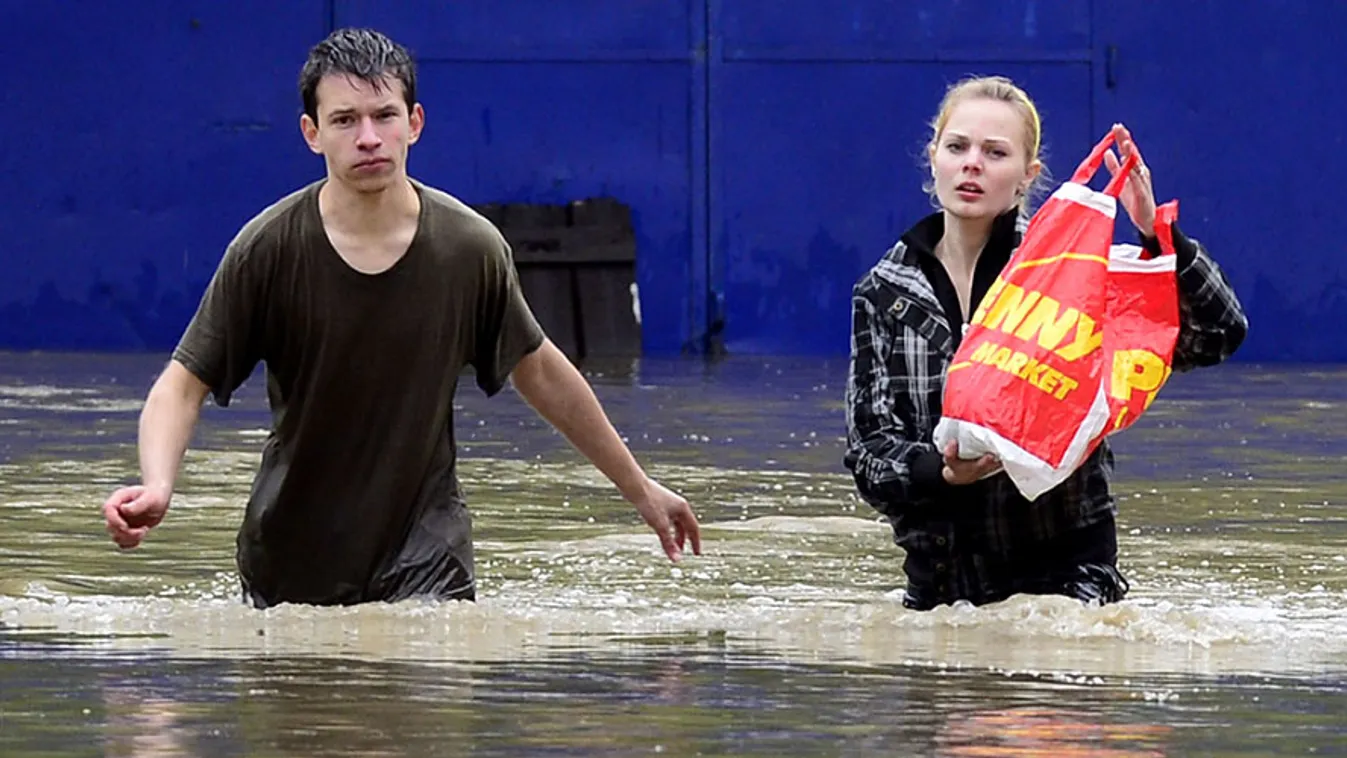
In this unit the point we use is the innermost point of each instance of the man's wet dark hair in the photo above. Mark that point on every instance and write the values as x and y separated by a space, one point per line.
362 53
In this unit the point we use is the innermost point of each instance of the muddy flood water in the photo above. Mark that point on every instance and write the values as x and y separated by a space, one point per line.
787 637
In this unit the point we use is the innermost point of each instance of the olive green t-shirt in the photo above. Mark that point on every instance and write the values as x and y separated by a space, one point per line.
357 498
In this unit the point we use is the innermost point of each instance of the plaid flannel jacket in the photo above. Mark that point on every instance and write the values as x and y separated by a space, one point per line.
901 346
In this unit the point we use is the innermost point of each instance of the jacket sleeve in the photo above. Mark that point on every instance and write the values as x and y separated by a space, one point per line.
892 466
1212 323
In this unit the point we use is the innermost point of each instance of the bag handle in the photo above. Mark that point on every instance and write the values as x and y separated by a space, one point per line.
1165 216
1087 168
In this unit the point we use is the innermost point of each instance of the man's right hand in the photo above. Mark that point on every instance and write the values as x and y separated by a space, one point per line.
132 511
960 471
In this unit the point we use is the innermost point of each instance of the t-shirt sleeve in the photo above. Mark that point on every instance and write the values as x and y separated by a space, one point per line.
506 328
221 345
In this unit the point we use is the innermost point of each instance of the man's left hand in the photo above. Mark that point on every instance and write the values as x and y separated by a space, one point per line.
669 514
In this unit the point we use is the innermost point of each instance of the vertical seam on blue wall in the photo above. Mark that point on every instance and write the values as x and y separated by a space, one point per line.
699 256
715 258
331 16
1094 73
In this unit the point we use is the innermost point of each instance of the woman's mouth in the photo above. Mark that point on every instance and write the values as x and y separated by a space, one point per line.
968 191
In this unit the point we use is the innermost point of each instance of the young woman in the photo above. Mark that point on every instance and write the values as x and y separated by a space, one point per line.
967 532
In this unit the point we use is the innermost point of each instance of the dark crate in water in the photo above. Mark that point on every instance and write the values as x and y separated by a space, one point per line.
577 267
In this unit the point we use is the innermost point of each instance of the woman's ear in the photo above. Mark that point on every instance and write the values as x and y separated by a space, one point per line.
1035 169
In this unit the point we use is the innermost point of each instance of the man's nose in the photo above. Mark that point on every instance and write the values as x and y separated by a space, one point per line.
367 137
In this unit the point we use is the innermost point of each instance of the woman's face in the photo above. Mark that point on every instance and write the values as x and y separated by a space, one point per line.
980 160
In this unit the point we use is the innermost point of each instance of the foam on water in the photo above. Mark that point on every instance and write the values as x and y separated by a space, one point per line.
606 589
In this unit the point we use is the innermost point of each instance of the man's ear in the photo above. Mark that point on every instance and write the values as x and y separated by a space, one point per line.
309 129
418 122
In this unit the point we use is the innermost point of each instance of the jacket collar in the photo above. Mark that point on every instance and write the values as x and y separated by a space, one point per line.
901 266
921 239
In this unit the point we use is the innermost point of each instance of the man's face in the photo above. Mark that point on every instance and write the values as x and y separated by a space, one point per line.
363 131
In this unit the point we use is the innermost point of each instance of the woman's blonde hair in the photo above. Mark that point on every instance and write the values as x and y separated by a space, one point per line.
1001 89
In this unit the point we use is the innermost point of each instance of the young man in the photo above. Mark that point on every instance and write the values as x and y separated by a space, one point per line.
366 294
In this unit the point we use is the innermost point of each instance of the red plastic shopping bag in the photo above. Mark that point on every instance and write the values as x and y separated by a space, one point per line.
1070 344
1141 325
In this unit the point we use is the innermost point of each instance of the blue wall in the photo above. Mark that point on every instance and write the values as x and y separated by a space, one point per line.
768 148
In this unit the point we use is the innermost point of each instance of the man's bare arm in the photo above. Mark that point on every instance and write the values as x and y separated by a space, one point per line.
560 394
166 425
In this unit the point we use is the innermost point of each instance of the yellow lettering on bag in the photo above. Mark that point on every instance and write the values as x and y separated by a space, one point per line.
1049 381
1016 363
1036 373
1033 316
1087 340
1139 370
1043 320
1022 366
992 293
1010 308
1000 357
981 352
1067 385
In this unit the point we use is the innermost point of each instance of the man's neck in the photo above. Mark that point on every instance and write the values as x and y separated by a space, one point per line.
364 214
